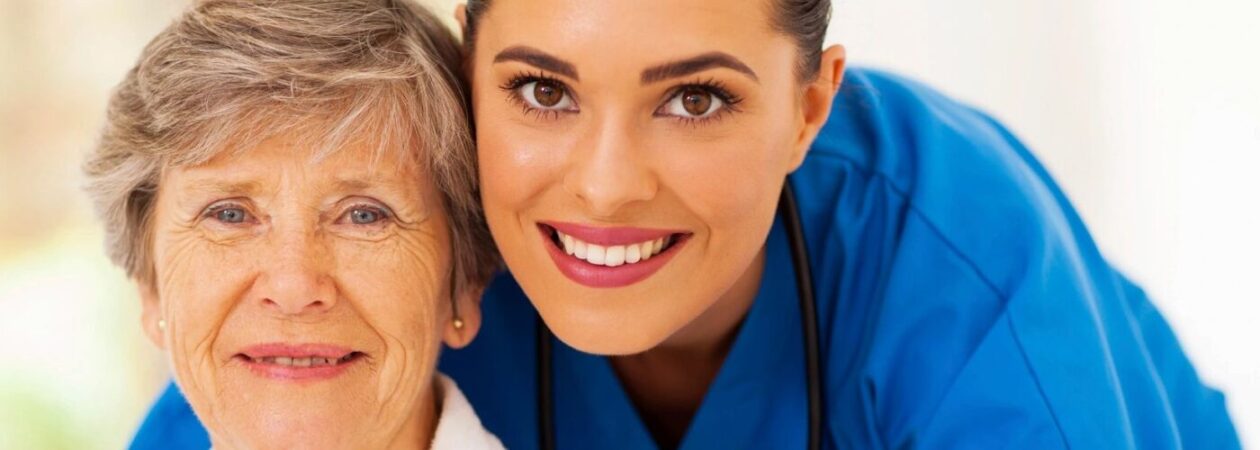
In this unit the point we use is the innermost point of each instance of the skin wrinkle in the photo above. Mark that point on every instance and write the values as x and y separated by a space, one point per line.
406 259
344 83
197 375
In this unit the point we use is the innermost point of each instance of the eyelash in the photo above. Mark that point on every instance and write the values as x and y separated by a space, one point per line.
214 209
386 214
729 99
524 78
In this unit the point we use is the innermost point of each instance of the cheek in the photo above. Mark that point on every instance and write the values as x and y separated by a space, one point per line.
517 164
196 310
730 181
399 287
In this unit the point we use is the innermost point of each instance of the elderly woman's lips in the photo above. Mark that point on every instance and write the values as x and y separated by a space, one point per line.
298 361
296 351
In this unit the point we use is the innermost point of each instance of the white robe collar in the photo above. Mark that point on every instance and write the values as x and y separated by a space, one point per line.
458 427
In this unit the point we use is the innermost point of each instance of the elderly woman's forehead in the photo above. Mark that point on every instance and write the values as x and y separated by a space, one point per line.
354 167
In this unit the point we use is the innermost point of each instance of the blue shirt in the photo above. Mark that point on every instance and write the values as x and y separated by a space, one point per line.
961 300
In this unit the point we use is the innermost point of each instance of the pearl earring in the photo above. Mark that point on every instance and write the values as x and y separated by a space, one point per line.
458 323
162 324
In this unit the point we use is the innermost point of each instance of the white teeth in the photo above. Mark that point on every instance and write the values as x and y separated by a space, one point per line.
612 256
595 254
632 254
616 256
313 361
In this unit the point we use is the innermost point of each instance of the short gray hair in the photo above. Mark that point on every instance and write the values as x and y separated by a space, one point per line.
230 73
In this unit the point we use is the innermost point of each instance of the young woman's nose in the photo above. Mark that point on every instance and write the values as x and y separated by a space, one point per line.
296 278
610 170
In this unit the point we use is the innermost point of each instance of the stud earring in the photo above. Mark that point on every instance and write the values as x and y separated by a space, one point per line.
162 324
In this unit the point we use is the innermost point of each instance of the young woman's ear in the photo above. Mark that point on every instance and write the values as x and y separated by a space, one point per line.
151 319
465 320
461 16
817 100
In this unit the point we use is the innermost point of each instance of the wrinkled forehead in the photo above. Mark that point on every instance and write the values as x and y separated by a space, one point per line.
356 163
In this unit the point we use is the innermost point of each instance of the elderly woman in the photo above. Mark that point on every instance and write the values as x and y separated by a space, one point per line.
290 186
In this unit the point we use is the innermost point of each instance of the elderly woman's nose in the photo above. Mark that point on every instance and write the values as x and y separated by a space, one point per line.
609 170
295 276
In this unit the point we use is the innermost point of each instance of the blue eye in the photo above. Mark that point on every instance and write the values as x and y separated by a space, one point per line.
229 214
365 216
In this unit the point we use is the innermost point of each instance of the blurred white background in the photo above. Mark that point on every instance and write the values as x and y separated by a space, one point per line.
1148 113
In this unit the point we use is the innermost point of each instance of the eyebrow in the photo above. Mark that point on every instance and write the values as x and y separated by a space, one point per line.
224 187
537 58
352 184
694 64
367 184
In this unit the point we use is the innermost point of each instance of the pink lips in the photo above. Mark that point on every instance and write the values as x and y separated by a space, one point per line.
612 235
298 362
599 276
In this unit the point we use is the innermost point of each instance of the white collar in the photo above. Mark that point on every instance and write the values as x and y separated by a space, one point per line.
458 427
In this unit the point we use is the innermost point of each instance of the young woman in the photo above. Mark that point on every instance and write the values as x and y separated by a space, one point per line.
633 158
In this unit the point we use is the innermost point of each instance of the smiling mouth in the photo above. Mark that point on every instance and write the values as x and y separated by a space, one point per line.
300 361
611 255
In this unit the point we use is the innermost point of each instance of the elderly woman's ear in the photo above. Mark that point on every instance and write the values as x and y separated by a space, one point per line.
465 319
151 313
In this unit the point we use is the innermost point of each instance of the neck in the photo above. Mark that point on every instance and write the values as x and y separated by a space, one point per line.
417 431
668 382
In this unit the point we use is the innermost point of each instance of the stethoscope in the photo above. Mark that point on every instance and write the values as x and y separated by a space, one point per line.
791 215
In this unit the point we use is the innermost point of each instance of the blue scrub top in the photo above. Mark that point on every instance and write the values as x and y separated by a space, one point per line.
961 300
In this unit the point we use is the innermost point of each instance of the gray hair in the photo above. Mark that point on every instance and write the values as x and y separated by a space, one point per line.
228 74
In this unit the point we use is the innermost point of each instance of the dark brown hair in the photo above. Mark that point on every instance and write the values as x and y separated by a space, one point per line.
804 20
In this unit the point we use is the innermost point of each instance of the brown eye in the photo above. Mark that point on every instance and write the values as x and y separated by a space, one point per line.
548 94
693 102
696 101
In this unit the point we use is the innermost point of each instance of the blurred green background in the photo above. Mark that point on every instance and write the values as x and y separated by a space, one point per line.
75 370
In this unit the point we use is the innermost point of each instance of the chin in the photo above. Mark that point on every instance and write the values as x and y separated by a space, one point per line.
606 334
288 419
298 433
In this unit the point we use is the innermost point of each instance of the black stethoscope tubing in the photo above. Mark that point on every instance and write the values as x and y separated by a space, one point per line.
789 210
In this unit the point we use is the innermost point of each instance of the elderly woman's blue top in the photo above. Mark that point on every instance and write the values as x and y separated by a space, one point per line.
962 304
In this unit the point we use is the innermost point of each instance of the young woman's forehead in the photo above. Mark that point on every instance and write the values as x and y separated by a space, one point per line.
627 37
640 20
